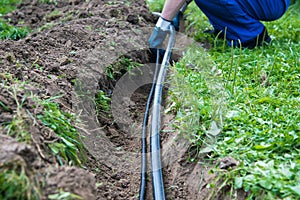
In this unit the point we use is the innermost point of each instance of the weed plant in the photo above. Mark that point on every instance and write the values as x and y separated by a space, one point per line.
7 31
18 126
102 102
11 32
7 6
259 117
15 184
48 1
120 67
69 147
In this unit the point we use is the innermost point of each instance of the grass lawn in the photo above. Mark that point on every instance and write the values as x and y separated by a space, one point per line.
7 31
244 104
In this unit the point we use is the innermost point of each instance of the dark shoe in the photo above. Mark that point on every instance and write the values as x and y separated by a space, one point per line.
258 41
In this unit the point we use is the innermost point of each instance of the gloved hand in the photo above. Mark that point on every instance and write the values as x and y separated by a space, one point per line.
159 33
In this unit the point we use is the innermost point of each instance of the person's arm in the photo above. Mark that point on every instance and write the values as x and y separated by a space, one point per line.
171 8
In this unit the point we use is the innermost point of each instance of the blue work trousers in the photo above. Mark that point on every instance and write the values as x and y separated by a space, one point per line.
240 19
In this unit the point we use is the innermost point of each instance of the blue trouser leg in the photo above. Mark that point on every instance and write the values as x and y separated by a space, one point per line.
266 10
240 19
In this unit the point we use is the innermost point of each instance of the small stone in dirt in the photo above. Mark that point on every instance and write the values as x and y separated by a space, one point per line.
53 69
10 57
68 43
123 183
64 61
133 19
74 2
114 12
83 14
227 162
116 176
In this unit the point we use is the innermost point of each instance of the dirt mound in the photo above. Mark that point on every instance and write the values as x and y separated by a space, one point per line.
67 55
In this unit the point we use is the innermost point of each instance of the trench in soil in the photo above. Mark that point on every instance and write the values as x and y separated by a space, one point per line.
115 143
124 133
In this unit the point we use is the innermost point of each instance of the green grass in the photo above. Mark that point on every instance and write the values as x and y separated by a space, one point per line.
102 102
48 1
15 184
11 32
155 5
15 180
196 93
7 6
120 67
18 126
8 31
69 147
244 104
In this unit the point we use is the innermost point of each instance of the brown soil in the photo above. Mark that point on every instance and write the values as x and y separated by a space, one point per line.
67 53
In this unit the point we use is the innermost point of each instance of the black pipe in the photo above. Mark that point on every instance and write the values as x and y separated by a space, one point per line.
156 167
143 183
